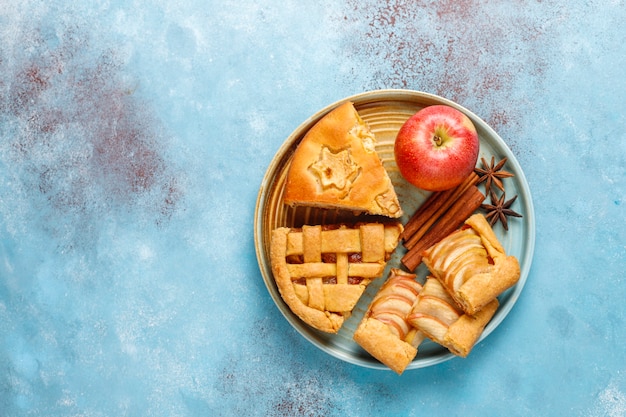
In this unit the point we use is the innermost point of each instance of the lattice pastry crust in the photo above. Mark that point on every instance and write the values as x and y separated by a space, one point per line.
322 271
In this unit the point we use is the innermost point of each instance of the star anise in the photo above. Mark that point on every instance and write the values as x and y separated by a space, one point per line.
499 209
492 174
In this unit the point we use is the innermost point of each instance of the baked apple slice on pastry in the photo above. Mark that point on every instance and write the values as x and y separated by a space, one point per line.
472 265
384 331
439 317
336 166
322 271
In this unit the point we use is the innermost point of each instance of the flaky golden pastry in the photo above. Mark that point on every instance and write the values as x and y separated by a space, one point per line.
384 331
322 271
442 320
336 166
472 265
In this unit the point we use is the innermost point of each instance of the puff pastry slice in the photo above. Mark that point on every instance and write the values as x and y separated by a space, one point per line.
384 331
472 265
439 317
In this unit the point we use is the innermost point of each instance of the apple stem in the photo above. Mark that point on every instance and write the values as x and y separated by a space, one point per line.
437 140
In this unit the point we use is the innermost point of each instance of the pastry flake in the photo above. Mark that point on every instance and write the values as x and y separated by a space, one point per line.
336 166
472 265
322 271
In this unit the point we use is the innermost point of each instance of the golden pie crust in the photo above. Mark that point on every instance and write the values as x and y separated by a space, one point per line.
472 265
322 271
336 166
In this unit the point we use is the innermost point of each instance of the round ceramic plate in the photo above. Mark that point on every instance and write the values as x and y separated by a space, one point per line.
385 111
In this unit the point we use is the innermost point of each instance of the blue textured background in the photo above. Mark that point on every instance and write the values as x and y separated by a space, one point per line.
133 139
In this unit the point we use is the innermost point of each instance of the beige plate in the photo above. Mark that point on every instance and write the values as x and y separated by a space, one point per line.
385 111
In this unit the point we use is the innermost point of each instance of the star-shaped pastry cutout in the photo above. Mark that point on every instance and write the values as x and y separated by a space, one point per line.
335 169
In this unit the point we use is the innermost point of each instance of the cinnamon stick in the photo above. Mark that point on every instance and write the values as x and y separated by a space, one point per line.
425 212
441 202
462 208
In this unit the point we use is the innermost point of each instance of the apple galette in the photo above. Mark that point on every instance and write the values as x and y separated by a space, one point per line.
336 166
439 317
322 271
384 331
472 265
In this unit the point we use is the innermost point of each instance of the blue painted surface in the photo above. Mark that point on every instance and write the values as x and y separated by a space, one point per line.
133 139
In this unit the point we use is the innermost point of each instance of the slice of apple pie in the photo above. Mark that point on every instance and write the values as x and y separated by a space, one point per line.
384 331
472 265
322 271
336 166
439 317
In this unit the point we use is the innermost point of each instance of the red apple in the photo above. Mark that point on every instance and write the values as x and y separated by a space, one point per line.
436 148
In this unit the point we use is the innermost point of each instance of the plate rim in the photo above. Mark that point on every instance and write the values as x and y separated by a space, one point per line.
373 96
